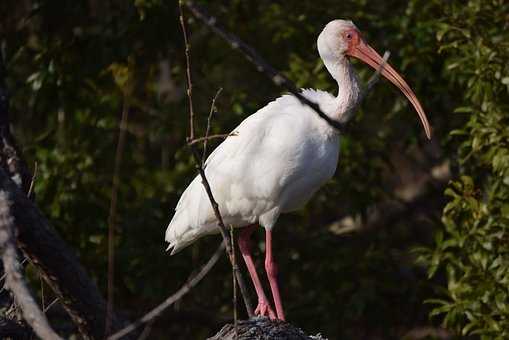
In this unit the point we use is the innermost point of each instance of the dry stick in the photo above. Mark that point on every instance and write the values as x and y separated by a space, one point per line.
32 182
50 305
42 291
207 132
234 284
204 139
277 78
188 73
205 182
112 214
14 279
174 297
4 275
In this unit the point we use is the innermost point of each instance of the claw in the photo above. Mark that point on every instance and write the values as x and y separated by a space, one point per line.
264 309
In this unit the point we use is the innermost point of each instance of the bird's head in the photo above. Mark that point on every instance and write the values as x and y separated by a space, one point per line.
341 39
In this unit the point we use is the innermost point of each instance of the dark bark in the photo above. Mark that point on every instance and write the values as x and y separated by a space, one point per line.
14 278
263 329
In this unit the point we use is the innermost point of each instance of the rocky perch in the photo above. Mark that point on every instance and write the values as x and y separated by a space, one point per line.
261 328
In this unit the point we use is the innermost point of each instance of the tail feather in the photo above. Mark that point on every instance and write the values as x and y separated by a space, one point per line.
189 222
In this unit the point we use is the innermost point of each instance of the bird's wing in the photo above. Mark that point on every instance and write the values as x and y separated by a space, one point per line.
242 172
246 172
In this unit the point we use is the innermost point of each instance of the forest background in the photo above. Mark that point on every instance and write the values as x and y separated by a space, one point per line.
409 239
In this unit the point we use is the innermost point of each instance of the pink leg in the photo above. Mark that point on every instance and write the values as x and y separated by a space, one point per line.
263 307
271 269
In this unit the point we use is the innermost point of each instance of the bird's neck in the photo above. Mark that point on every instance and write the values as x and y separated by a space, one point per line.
348 88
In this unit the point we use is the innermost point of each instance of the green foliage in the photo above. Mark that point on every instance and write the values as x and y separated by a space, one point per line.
473 247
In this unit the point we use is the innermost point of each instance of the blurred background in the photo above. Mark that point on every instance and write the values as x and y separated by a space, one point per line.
408 241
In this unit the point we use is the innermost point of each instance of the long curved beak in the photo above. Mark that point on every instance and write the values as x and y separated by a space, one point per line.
368 55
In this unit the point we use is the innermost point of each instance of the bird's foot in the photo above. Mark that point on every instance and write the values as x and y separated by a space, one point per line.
264 309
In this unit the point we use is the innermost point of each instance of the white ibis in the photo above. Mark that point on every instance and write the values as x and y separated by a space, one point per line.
278 159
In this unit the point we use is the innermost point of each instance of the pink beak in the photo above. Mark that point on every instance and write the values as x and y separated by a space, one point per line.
368 55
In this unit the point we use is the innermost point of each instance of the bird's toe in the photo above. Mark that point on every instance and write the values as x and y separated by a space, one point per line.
264 309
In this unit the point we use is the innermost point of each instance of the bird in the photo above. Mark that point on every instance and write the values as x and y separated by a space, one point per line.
278 157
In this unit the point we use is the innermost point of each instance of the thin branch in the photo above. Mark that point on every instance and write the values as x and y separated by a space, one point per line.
113 212
42 291
193 281
206 184
4 275
188 73
261 65
32 182
50 305
14 279
376 76
234 283
205 139
209 120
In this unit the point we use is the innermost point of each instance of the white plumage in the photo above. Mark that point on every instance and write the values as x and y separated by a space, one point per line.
277 159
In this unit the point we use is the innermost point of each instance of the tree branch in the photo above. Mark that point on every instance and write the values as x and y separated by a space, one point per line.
14 278
205 139
209 121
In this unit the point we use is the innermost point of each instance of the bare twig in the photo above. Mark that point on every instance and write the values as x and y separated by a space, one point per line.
209 120
14 279
193 281
277 78
188 73
113 212
50 305
234 283
3 276
32 182
205 182
42 291
204 139
376 76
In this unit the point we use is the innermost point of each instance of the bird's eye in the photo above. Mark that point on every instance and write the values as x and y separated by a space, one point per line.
349 36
